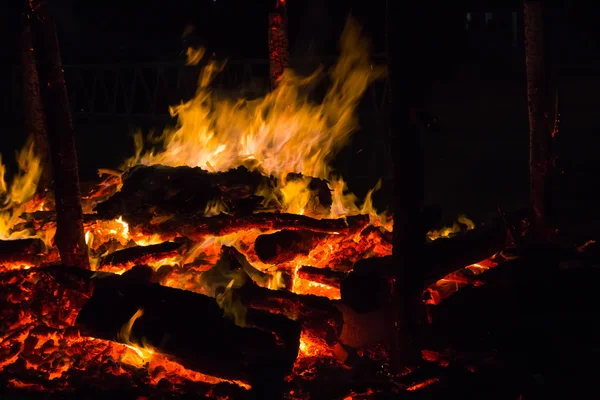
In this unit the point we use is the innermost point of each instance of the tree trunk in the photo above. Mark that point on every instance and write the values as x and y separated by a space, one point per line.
69 236
540 118
407 310
35 119
278 42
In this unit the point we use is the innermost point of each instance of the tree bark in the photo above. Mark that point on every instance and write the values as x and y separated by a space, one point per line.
69 237
35 118
406 309
540 118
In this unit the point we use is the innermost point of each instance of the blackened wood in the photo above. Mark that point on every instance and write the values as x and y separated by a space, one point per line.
21 251
186 326
540 117
405 26
325 276
69 238
160 190
364 288
35 118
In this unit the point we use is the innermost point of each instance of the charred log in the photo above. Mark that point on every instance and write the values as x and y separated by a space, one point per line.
160 190
286 245
325 276
198 226
26 251
317 315
366 288
208 343
283 246
142 254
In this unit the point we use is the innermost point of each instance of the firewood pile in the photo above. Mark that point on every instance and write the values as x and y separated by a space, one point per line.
201 285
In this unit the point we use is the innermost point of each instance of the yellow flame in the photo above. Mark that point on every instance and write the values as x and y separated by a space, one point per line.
21 190
215 207
446 231
139 354
232 308
280 133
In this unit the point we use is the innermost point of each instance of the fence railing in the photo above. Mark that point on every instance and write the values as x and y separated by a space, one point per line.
148 89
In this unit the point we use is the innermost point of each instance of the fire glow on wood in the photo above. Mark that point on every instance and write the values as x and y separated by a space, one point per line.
239 205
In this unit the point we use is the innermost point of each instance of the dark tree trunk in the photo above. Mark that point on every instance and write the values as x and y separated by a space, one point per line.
35 119
69 236
540 118
407 309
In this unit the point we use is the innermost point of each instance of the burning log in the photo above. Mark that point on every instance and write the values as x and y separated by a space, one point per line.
22 251
197 226
142 254
209 343
285 245
160 190
366 287
324 276
346 246
317 315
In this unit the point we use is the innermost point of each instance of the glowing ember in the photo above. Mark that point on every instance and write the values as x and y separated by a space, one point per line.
422 385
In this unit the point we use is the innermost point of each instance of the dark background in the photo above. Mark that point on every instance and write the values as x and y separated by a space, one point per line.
471 51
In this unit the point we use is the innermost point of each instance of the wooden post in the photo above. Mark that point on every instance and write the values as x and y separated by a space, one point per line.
540 118
406 317
69 236
35 118
278 42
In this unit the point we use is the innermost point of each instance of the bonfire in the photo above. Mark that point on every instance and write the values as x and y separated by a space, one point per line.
224 255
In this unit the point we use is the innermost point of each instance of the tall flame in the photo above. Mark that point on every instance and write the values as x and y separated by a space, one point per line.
280 133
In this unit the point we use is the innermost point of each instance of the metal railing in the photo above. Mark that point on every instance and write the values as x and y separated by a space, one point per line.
148 89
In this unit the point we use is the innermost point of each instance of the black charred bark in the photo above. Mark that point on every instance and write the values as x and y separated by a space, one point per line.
188 327
406 316
69 236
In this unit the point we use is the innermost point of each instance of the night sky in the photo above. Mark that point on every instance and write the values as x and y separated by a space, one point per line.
136 30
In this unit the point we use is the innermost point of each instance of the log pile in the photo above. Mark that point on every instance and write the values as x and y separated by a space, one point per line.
202 339
233 320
